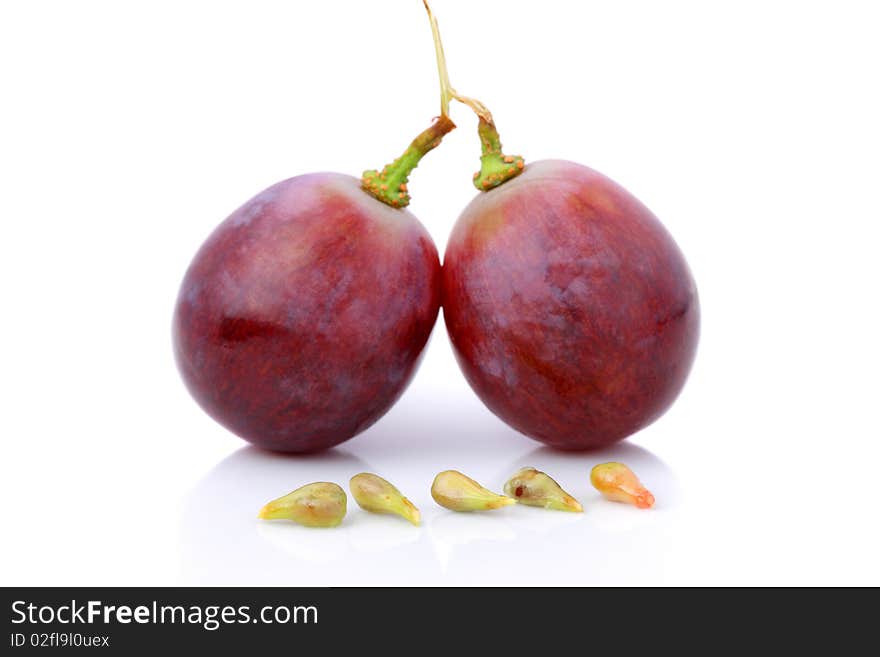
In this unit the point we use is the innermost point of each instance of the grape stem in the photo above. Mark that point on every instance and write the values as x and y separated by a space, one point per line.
495 167
390 184
446 90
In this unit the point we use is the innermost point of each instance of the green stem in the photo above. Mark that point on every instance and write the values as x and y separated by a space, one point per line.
390 184
496 168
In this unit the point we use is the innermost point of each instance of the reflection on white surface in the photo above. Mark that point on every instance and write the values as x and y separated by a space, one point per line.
301 543
222 542
451 532
372 533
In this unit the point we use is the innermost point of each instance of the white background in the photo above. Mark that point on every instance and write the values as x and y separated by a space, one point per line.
129 130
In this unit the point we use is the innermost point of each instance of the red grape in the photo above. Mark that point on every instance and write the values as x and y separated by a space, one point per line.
571 310
303 316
